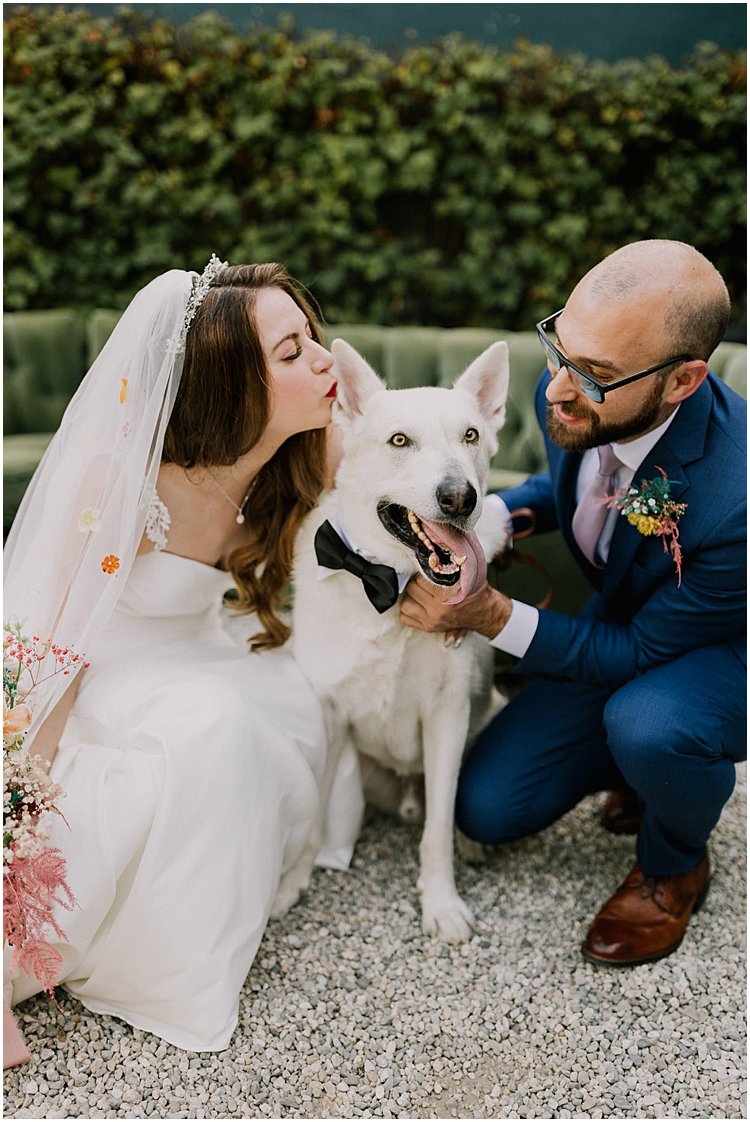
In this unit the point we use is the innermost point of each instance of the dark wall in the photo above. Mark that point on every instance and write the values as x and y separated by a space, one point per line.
606 31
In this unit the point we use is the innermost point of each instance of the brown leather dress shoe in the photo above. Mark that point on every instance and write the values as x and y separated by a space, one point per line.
646 918
622 813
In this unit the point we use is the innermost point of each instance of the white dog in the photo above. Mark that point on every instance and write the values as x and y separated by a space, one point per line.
408 497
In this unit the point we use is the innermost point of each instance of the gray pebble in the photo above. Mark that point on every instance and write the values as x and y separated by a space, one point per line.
349 1011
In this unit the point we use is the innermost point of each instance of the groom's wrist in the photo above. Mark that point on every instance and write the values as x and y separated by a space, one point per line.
497 615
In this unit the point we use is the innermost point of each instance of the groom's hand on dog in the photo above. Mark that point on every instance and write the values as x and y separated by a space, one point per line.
423 607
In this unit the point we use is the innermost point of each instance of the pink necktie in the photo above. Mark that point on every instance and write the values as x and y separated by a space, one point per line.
592 511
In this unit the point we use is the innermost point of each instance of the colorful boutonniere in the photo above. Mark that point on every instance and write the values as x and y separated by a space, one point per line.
652 510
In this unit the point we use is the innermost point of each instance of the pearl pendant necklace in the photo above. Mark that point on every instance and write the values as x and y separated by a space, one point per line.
240 519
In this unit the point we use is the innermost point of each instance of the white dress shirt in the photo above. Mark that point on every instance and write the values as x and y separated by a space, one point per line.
515 638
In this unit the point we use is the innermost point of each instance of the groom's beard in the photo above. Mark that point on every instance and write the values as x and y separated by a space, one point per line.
599 432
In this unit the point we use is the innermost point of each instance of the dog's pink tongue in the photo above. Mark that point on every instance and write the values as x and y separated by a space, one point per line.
474 568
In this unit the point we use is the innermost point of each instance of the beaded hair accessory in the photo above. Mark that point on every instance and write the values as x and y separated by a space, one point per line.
200 288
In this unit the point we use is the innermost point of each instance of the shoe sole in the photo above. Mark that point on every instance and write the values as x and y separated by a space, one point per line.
597 961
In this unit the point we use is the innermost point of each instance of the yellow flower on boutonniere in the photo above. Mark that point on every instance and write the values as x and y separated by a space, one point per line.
88 520
651 509
123 390
644 524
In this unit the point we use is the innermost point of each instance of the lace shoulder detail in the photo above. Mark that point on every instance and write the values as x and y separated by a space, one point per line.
158 521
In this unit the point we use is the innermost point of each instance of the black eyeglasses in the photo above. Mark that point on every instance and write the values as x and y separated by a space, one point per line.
585 383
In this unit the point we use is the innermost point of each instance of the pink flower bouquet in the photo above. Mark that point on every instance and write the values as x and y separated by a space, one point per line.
34 875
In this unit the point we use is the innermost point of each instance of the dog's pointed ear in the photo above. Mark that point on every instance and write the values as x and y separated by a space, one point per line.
356 380
487 379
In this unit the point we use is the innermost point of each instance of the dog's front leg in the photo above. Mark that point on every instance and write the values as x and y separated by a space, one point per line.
444 914
296 880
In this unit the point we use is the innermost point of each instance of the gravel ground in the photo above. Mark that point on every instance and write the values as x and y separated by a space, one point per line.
349 1011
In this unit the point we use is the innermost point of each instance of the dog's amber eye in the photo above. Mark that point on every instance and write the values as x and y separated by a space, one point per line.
471 436
399 440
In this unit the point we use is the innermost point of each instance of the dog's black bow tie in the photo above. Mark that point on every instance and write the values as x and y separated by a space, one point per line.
380 581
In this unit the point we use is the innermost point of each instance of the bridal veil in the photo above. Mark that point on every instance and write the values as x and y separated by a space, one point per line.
78 528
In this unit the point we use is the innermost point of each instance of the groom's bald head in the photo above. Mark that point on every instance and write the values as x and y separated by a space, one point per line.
688 295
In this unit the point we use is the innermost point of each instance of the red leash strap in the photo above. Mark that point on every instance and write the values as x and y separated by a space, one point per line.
513 555
530 516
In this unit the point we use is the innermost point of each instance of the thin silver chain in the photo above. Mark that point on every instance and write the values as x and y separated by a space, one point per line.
240 509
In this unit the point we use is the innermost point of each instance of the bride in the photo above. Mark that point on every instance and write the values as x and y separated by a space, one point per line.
156 540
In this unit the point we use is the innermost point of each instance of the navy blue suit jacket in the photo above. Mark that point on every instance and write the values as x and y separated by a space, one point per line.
640 617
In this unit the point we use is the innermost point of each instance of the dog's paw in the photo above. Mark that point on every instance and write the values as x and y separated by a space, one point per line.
292 885
470 851
446 917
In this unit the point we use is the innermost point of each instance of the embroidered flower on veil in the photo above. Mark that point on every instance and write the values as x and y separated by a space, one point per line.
158 521
88 520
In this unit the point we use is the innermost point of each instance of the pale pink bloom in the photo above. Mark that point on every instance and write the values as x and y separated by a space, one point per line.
16 720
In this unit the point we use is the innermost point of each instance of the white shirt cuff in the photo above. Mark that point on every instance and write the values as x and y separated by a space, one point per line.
515 638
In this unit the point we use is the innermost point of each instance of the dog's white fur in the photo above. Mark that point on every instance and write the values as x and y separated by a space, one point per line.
404 697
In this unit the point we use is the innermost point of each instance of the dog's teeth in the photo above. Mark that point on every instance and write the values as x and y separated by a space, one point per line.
434 563
416 526
433 560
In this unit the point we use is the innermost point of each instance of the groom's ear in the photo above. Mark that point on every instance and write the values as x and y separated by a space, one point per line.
685 380
356 380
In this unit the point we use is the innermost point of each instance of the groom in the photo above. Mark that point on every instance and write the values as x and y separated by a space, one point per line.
642 694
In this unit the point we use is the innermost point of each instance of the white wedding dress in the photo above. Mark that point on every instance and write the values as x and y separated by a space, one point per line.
191 770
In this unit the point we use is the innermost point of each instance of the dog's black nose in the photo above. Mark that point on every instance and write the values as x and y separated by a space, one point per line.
456 498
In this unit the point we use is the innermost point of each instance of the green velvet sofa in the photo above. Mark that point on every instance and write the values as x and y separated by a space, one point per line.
46 354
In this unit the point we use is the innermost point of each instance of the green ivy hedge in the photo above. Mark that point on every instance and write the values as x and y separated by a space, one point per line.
455 184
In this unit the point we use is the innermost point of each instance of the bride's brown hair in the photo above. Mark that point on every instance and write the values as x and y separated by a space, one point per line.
222 409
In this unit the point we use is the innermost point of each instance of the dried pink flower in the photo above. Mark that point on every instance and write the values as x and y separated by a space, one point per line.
32 886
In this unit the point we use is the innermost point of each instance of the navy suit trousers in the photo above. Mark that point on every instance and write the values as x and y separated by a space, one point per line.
673 733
